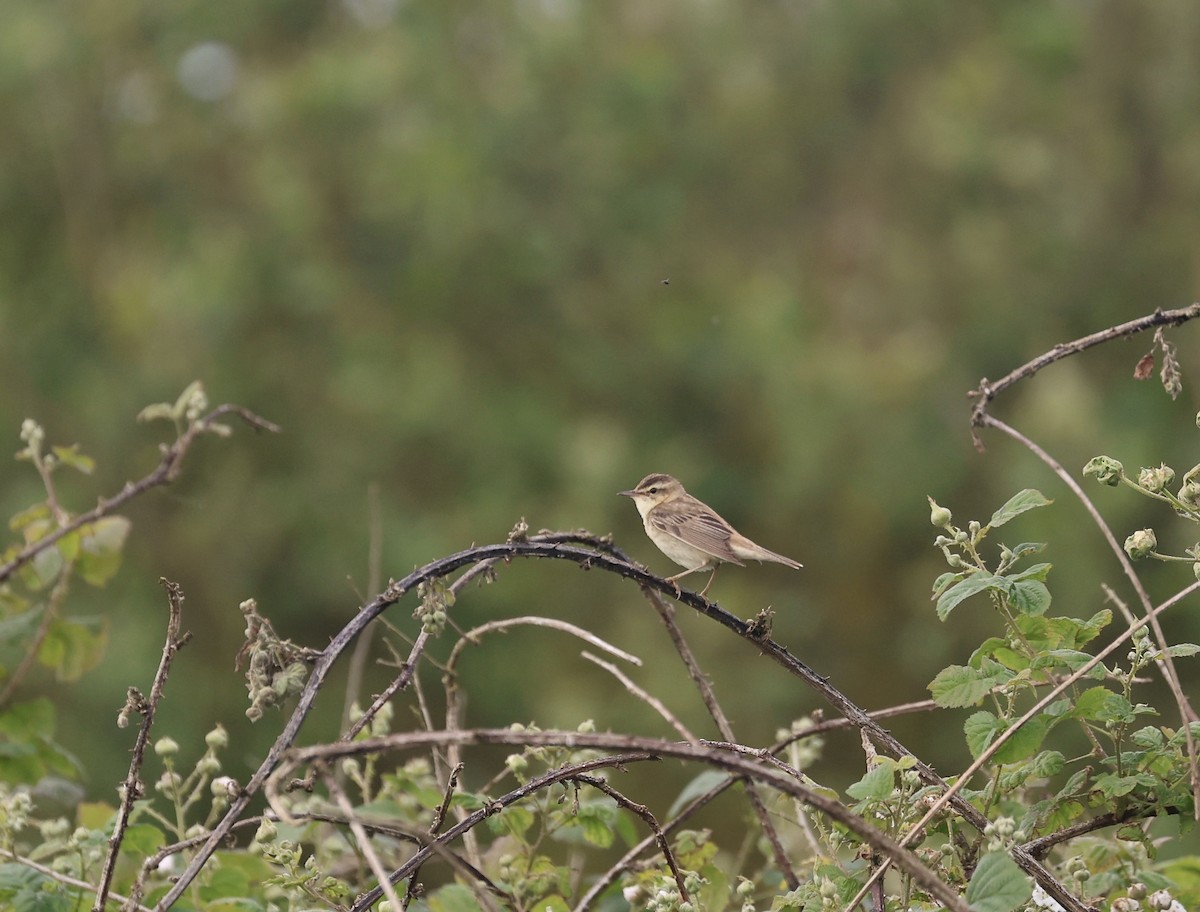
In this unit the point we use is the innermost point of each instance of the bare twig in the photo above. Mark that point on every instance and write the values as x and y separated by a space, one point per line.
649 699
362 840
666 613
362 648
132 789
642 811
166 472
987 390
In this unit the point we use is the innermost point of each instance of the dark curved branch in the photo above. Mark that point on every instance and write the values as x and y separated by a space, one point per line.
987 390
587 558
638 749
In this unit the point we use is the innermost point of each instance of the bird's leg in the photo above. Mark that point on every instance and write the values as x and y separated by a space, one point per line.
673 580
711 577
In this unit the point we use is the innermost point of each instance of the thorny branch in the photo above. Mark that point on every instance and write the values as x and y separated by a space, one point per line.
557 546
133 789
639 749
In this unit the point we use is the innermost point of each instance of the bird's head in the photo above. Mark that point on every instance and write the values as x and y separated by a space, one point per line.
654 490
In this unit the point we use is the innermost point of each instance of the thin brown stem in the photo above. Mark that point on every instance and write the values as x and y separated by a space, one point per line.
988 390
132 788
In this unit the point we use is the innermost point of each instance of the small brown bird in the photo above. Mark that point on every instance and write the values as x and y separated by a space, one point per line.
691 533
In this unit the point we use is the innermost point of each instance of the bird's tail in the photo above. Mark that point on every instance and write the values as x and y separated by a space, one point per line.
750 551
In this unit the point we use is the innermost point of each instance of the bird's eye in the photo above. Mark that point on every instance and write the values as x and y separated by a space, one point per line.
653 490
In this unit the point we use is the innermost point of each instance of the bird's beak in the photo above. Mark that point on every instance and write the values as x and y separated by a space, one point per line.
626 493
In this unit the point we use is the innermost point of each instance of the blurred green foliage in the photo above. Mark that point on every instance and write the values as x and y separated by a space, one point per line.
504 259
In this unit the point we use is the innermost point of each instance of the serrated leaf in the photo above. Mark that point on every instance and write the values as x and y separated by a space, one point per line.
879 782
1111 785
958 686
1099 704
944 581
980 728
1029 597
1024 742
1182 650
1036 572
972 585
998 885
513 819
1019 503
1067 658
596 829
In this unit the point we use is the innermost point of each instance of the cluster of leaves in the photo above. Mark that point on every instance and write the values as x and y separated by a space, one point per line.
1068 762
1110 761
35 629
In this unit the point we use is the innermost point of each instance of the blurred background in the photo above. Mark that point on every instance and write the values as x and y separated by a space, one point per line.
496 260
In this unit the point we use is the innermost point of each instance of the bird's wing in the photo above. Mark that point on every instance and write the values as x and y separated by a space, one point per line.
698 526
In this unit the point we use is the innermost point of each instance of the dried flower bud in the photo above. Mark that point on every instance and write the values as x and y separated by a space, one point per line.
1141 544
1156 480
1105 470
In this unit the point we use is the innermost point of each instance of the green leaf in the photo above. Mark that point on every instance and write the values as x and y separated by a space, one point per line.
157 412
1067 658
879 782
980 728
1027 548
1111 785
1038 572
943 582
551 904
998 885
101 545
26 890
71 647
597 828
1029 597
1018 504
1099 704
1183 650
513 819
453 898
28 721
1024 742
143 839
972 585
71 456
959 686
39 511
